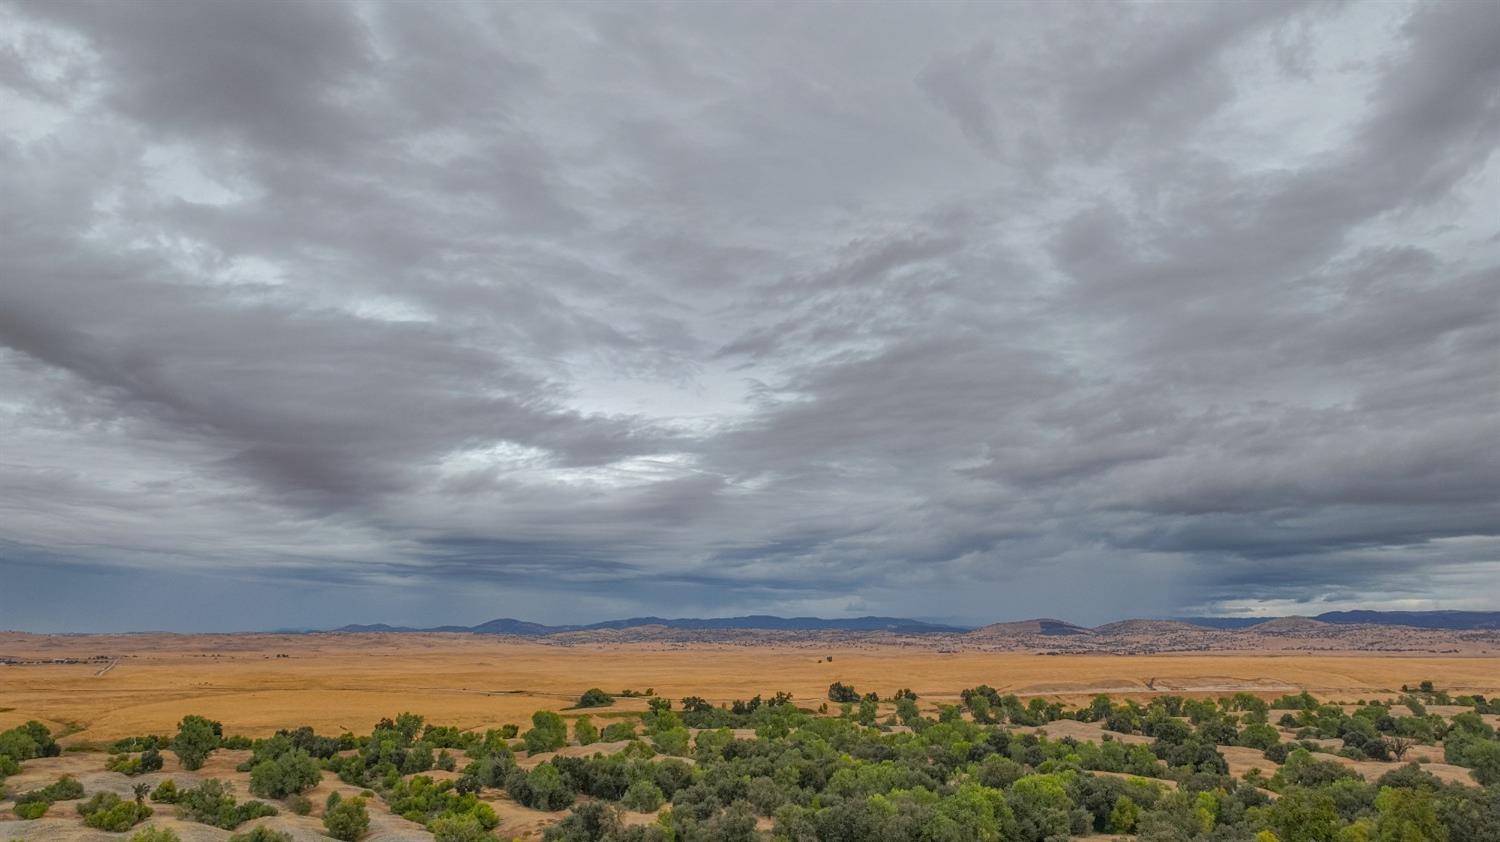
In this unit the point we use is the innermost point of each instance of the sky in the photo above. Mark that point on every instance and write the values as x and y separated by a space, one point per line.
316 313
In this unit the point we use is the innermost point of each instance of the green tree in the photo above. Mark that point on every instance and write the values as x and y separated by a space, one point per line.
585 732
196 738
1303 815
292 773
548 732
1124 815
1483 756
1407 815
643 797
589 822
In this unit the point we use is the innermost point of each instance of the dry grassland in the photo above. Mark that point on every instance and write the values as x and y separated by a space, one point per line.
338 682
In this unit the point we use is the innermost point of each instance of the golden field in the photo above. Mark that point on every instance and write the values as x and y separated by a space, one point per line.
256 684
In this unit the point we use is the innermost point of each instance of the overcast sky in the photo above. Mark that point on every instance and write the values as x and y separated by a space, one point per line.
315 313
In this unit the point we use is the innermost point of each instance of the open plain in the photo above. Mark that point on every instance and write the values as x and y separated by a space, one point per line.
122 685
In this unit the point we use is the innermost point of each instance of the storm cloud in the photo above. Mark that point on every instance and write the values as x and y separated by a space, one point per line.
316 312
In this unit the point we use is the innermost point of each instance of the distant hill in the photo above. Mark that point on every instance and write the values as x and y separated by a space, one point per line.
1291 625
1140 627
1224 622
1045 626
1419 619
1451 620
509 626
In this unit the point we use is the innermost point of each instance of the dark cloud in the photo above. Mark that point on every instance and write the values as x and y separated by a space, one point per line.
435 314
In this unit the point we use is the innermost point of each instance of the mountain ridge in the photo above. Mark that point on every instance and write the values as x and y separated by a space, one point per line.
1441 620
767 622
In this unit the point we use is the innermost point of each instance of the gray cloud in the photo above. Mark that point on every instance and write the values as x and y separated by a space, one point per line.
552 311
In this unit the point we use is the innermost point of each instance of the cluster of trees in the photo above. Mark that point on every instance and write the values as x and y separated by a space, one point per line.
988 707
740 713
149 760
951 778
956 773
22 743
211 802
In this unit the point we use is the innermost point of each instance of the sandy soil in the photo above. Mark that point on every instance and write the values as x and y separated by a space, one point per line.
1082 731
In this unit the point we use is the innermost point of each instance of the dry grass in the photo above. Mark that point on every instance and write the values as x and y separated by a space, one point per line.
337 682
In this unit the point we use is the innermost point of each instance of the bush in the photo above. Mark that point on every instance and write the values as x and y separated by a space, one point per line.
34 804
617 731
346 819
292 773
300 805
110 812
261 834
155 834
165 792
124 764
462 828
842 693
595 698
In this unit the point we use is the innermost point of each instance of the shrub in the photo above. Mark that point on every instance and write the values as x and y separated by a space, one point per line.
462 828
149 760
155 834
595 698
842 693
34 804
261 834
346 819
300 805
165 792
292 773
124 764
110 812
616 731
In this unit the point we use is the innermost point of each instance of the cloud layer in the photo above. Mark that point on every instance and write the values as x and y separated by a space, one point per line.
315 312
